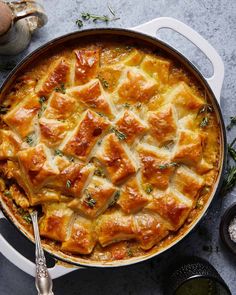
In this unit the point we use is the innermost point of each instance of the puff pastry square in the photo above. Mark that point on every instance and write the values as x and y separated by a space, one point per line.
22 117
10 144
116 158
57 75
82 238
86 134
131 126
56 221
95 199
114 227
37 166
156 166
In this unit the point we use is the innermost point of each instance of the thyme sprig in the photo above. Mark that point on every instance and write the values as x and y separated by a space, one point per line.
168 165
232 123
95 18
230 176
86 16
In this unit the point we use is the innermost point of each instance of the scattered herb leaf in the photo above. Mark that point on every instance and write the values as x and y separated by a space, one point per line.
7 193
148 188
58 153
204 122
120 135
68 183
29 139
168 165
42 99
126 105
104 82
130 252
27 217
61 88
89 200
79 23
115 198
4 110
99 172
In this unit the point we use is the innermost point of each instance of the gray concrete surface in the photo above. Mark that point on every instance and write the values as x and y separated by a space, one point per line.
215 20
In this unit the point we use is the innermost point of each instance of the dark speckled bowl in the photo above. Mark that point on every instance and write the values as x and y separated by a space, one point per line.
193 270
229 214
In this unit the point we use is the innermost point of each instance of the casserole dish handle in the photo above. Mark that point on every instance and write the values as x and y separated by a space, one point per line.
156 24
25 264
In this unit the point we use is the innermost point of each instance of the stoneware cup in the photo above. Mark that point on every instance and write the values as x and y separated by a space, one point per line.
18 20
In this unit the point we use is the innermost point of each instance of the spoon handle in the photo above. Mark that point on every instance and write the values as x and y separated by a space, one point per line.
43 280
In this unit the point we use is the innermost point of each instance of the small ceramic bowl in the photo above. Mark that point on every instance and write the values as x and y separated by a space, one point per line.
228 216
194 275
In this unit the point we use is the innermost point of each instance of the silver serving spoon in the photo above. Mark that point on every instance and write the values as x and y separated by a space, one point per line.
43 281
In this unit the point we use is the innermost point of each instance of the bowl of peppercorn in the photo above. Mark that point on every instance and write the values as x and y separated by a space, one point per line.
228 228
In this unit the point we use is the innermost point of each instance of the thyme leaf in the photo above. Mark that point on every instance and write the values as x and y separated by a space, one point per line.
119 134
103 81
99 172
29 139
79 23
58 153
148 188
68 183
60 88
89 200
204 122
42 99
168 165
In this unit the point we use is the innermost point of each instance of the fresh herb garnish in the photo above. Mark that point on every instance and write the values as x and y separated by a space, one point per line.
89 16
7 193
148 188
79 23
232 123
130 252
104 82
42 99
126 105
58 153
115 198
99 172
71 159
120 135
4 110
89 200
95 18
230 176
205 109
168 165
29 139
25 215
100 114
61 88
68 183
204 122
